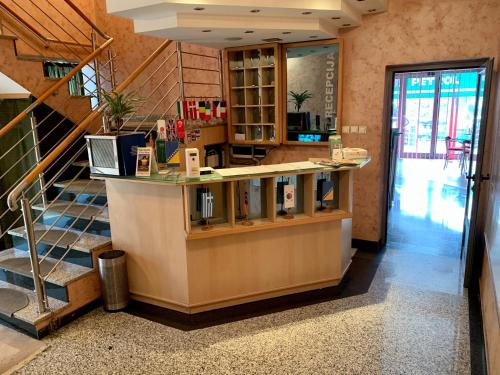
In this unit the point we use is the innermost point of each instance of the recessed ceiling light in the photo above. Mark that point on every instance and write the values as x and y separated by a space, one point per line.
346 24
206 31
198 8
255 11
233 38
306 13
361 0
313 36
269 40
249 32
286 32
335 18
372 10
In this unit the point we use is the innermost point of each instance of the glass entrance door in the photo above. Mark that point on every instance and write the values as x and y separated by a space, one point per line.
432 106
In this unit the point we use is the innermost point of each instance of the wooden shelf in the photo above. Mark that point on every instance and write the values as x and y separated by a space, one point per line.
253 89
265 224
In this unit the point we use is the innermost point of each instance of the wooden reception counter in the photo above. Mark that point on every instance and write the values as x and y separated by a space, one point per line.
175 262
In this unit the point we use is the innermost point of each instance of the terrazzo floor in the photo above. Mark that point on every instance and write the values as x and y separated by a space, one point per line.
412 319
396 327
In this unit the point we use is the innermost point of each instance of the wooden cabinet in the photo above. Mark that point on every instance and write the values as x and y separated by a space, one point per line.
252 87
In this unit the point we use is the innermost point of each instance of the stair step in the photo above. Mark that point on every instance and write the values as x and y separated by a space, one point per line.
29 314
84 211
84 186
18 261
86 243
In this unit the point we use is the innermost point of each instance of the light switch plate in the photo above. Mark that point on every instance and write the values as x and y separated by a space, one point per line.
345 130
354 129
362 130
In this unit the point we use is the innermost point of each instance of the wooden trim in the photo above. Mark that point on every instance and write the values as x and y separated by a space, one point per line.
309 196
236 300
283 90
266 224
270 199
231 215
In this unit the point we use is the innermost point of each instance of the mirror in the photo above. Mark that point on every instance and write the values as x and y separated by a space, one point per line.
311 100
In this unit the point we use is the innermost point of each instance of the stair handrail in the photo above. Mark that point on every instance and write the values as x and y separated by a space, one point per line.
22 115
47 40
84 17
80 128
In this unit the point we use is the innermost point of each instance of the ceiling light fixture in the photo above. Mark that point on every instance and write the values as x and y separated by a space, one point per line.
206 31
255 11
249 32
198 8
335 18
372 10
269 40
306 13
233 38
286 32
346 24
313 36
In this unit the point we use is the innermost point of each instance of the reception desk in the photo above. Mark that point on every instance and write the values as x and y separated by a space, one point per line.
177 261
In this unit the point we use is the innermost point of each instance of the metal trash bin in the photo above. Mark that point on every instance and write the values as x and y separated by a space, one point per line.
114 280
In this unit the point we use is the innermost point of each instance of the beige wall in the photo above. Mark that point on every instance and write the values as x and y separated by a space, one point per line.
411 31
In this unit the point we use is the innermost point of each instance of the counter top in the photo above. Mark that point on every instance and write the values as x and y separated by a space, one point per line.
242 173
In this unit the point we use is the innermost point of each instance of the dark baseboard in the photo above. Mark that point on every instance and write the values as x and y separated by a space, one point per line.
356 281
477 347
371 246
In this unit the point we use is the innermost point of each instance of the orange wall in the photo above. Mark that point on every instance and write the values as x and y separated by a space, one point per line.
411 31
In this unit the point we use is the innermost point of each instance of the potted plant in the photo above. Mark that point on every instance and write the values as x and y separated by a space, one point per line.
115 152
120 105
299 120
299 98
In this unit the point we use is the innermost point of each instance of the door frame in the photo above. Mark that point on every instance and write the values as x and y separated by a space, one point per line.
390 72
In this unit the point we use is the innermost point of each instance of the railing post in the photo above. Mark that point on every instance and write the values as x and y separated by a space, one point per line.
180 70
96 69
112 69
35 266
38 158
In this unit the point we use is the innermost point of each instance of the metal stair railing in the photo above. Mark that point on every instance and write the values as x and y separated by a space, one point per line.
101 74
152 77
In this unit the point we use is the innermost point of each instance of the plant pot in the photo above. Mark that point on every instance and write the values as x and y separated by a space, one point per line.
114 154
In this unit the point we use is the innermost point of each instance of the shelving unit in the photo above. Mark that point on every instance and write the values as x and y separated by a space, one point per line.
252 80
265 204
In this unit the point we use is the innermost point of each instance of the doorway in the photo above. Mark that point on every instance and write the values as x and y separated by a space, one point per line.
435 118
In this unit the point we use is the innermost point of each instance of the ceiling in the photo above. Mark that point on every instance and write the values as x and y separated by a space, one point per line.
227 23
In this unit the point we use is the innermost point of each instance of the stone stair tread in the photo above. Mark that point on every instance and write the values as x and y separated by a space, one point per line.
29 314
81 163
87 243
83 186
18 261
84 211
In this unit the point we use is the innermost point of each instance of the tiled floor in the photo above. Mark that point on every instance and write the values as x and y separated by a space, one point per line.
413 319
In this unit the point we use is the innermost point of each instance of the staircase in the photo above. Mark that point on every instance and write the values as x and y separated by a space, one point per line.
72 232
48 263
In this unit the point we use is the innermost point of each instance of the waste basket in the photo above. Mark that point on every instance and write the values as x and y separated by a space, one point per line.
114 281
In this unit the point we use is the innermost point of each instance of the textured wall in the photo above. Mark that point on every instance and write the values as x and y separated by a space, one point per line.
411 31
